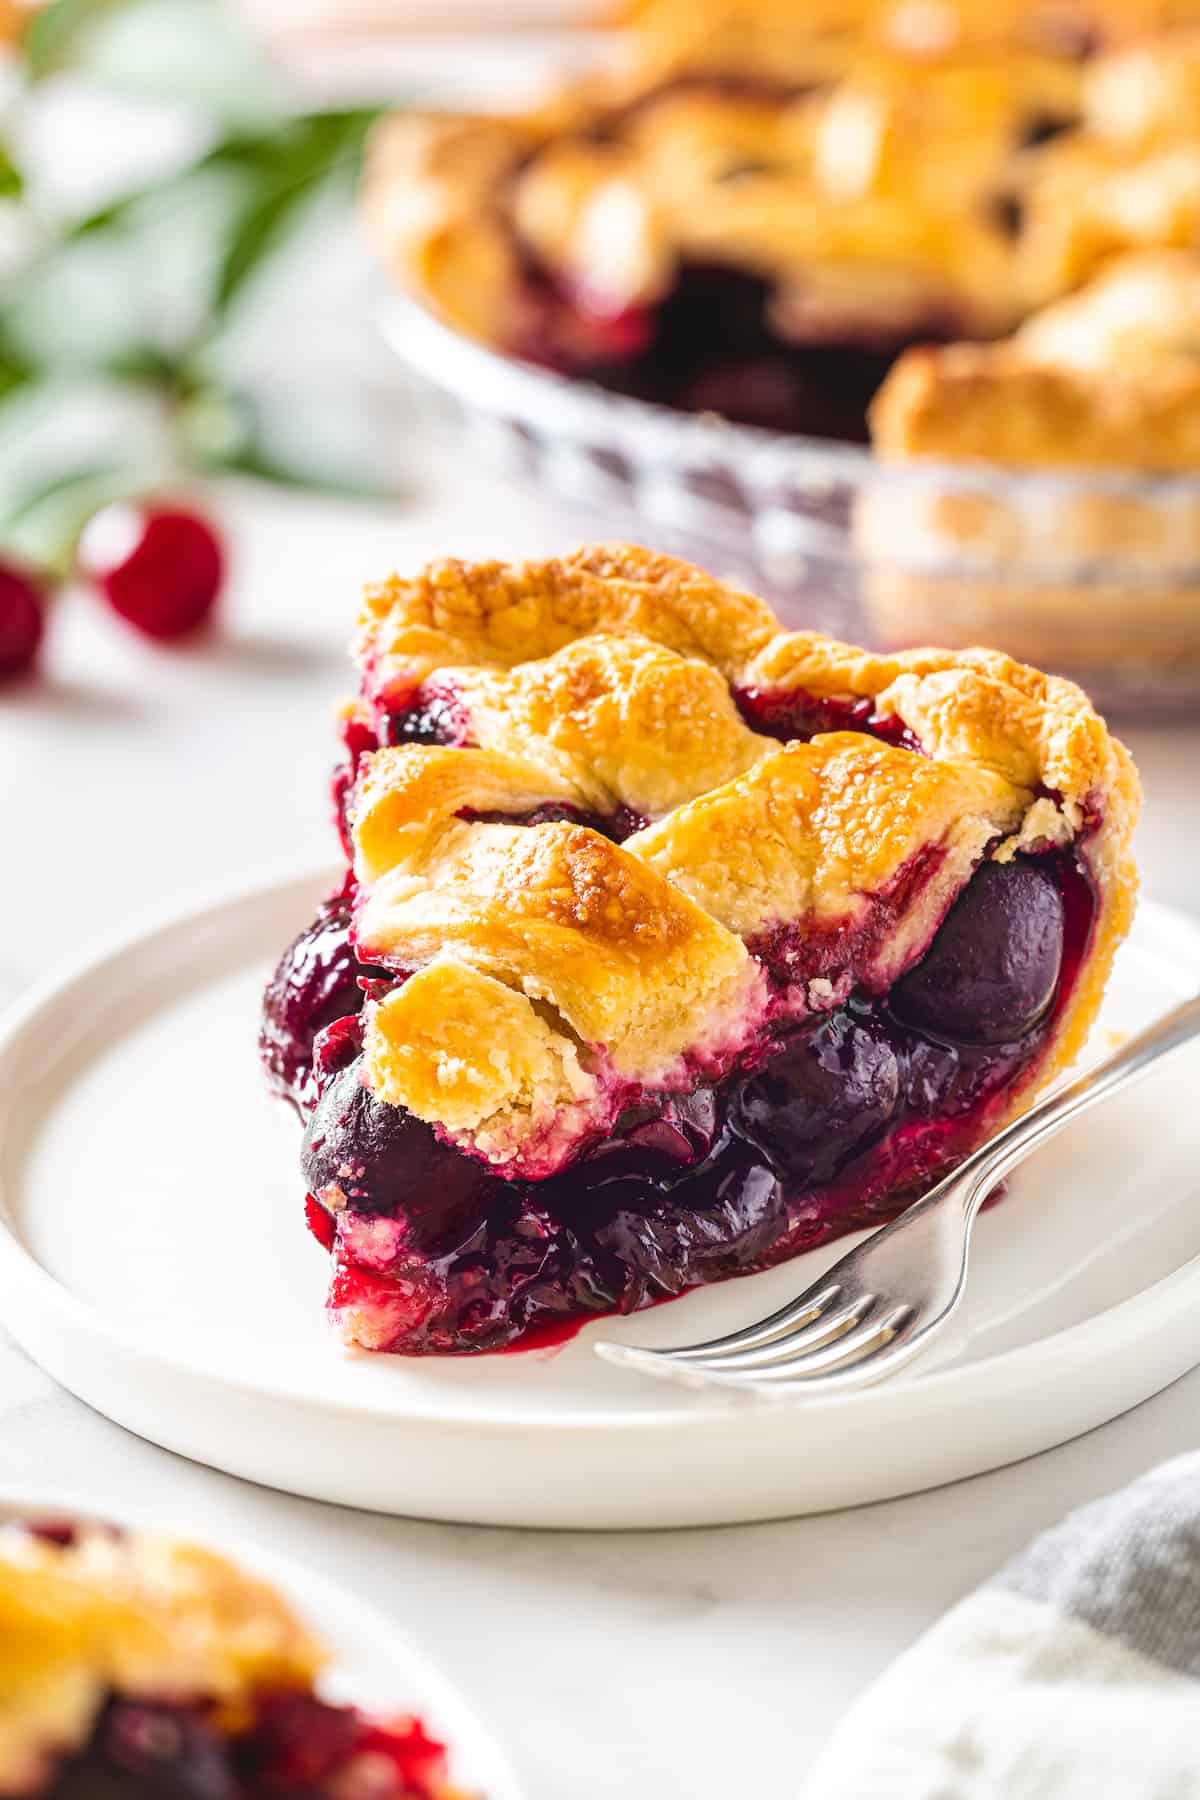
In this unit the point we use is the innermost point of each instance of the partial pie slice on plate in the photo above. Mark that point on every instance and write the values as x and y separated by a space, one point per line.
134 1666
672 944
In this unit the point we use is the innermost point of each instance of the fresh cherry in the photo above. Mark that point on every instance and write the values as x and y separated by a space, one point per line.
22 618
991 971
159 566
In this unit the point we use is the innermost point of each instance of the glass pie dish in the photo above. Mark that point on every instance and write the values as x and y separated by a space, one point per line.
1092 573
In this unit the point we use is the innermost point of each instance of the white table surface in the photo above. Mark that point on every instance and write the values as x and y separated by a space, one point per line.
697 1664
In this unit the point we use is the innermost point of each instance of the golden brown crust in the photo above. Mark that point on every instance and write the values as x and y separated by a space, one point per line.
597 950
792 44
1128 179
779 39
621 960
429 207
1106 379
1147 93
816 831
132 1614
972 402
1089 201
623 721
864 204
497 614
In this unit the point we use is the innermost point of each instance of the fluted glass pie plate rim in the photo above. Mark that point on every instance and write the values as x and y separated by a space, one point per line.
486 381
471 1438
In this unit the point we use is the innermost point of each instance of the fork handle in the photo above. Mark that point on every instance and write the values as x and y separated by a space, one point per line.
978 1175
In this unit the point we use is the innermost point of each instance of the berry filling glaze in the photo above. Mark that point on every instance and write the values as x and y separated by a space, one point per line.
294 1747
824 1124
669 354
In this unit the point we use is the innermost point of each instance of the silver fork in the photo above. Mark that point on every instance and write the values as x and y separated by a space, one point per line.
873 1311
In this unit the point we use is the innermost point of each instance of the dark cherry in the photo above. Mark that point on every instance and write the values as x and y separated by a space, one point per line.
617 825
795 714
723 1218
823 1097
603 1237
676 357
148 1751
301 1747
22 619
62 1532
678 1130
287 1743
383 1160
296 1747
158 566
431 717
992 970
944 1080
315 983
1043 128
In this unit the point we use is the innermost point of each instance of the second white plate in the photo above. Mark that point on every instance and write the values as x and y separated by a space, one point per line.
371 1664
153 1259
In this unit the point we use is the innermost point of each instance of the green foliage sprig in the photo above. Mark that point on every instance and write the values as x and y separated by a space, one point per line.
255 182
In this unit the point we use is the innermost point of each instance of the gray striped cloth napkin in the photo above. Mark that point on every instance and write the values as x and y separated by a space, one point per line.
1073 1675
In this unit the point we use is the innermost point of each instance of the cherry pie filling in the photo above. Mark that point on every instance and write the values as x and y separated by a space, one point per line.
290 1745
709 347
821 1127
711 344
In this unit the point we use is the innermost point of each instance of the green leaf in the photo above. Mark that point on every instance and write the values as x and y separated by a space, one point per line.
12 184
298 148
15 373
260 228
279 473
56 33
17 370
227 431
146 364
290 167
292 153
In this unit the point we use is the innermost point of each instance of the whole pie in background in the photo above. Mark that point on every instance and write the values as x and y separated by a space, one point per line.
672 944
768 205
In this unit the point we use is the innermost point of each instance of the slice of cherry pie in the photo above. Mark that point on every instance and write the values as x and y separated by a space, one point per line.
673 944
134 1667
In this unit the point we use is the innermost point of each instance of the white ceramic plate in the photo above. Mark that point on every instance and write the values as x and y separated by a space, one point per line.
371 1664
153 1259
